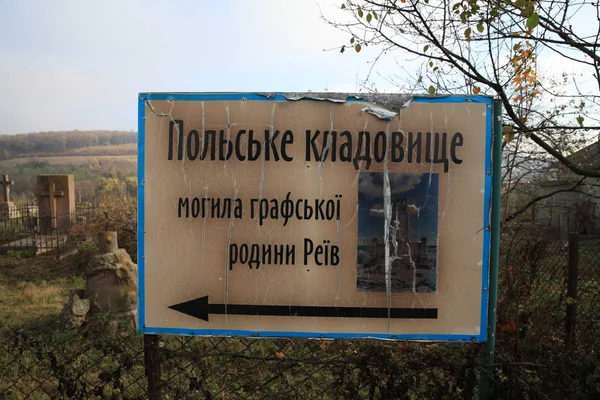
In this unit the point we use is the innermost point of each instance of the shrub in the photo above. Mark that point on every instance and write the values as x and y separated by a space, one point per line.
116 213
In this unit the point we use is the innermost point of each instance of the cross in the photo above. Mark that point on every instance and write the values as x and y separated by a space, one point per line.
52 194
6 183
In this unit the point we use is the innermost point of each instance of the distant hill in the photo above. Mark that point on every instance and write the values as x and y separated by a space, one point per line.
68 143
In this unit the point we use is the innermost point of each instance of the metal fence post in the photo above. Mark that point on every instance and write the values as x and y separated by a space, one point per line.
487 356
56 233
572 273
152 364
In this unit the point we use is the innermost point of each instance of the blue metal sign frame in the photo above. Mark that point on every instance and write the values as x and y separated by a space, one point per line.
281 97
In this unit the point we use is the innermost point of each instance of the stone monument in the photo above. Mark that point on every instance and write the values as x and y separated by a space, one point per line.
7 208
56 200
74 312
111 287
112 280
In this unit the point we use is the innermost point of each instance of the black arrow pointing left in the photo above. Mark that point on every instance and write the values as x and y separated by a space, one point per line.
200 308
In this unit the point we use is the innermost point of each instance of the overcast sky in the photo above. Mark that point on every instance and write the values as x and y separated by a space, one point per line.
80 64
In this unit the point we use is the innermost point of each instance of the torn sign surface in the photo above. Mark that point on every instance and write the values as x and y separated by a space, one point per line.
270 217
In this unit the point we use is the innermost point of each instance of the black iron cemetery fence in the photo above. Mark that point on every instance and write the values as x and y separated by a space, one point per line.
548 340
17 221
24 229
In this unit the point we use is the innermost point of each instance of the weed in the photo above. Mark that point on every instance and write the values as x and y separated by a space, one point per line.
87 247
21 254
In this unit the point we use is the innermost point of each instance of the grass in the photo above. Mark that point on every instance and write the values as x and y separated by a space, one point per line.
38 359
34 290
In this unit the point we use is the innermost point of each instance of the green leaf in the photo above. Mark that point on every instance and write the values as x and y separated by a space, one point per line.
360 12
431 64
480 27
357 48
580 120
343 6
571 301
369 17
468 33
351 40
425 48
374 14
431 90
533 20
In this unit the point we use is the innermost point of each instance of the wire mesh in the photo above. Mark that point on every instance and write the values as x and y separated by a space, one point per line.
534 292
100 362
587 326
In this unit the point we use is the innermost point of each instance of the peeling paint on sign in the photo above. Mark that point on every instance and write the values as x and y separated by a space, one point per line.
380 113
299 214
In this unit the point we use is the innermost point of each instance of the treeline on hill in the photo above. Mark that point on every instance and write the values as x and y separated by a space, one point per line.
68 143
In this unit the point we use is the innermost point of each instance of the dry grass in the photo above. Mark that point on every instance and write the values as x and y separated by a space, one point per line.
33 291
42 293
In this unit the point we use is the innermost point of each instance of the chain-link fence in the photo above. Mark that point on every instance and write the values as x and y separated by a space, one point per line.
97 363
587 302
549 292
110 360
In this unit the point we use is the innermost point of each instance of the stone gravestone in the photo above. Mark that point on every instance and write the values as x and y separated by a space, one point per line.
7 208
56 200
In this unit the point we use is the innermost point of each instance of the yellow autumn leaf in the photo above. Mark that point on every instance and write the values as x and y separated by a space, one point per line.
508 132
